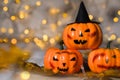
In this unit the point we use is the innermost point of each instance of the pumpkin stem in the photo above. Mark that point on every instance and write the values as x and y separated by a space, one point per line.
108 44
61 45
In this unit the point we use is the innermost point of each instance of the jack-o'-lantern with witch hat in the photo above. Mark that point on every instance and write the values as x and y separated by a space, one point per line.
83 33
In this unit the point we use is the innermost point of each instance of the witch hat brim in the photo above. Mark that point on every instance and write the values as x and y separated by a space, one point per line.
82 16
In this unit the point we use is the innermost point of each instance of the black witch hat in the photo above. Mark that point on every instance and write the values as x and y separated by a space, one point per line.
82 16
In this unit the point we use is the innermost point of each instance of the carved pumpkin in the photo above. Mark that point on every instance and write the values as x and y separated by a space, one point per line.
63 61
82 36
83 33
102 59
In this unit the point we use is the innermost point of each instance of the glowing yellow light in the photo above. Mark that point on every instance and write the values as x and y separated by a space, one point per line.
5 40
26 55
25 75
52 41
3 30
59 23
53 27
118 40
27 40
118 12
113 37
17 1
38 3
10 30
5 8
13 18
26 7
26 31
21 15
14 41
45 37
115 19
108 28
91 17
54 11
65 15
66 1
57 37
5 1
35 39
39 43
44 21
100 19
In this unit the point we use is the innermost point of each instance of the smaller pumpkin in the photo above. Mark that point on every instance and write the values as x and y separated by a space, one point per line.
103 59
63 61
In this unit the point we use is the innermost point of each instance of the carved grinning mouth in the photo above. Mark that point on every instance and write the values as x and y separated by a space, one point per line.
80 41
102 66
63 69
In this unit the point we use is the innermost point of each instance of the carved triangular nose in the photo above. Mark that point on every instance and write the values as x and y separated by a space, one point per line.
80 35
64 64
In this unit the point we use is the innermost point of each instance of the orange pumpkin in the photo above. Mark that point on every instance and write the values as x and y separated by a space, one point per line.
82 36
102 59
63 61
83 33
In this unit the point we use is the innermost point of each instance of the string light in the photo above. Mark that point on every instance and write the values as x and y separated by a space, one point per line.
26 31
3 30
25 75
38 3
118 12
21 15
45 37
113 37
59 23
54 11
64 15
14 41
118 40
13 18
100 19
44 21
66 1
26 40
53 26
5 8
17 1
26 7
52 41
90 16
10 31
115 19
5 1
108 28
5 40
57 37
39 43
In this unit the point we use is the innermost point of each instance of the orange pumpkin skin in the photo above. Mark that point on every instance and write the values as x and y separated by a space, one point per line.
102 59
82 36
63 61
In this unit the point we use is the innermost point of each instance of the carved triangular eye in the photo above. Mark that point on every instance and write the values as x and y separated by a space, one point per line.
114 56
73 59
87 30
72 29
55 58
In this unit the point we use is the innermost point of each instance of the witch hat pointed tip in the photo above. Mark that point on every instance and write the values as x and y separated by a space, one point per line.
82 16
